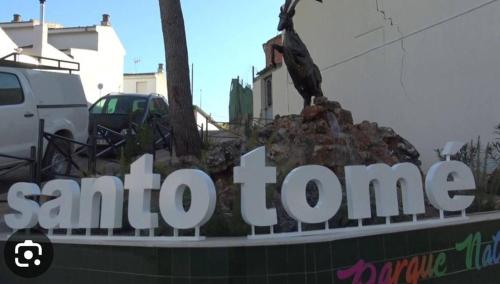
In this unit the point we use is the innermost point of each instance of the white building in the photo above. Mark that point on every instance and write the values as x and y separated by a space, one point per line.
97 48
427 68
146 83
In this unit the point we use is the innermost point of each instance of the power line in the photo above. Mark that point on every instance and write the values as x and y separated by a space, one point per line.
411 34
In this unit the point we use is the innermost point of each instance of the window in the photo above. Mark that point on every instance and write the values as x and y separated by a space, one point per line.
98 107
158 106
111 105
141 87
269 91
11 92
123 105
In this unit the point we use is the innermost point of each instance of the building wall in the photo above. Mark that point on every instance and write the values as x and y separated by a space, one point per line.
437 84
8 46
77 39
155 83
101 56
97 48
278 57
130 83
21 35
161 84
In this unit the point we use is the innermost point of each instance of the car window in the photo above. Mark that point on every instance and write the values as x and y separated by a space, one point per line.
158 106
11 92
111 106
98 107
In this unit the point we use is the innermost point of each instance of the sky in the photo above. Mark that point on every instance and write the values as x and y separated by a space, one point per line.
224 37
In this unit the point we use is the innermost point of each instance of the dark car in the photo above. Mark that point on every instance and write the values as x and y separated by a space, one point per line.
118 115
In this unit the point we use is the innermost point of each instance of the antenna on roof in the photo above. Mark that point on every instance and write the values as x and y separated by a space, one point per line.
42 11
137 60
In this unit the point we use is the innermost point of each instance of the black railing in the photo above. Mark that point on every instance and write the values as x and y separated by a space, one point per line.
12 60
114 141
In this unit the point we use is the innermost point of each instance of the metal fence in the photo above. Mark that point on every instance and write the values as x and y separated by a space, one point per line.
113 141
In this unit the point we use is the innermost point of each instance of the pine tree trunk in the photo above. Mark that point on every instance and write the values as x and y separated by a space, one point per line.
187 141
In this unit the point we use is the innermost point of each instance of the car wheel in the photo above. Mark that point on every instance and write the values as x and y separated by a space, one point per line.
56 160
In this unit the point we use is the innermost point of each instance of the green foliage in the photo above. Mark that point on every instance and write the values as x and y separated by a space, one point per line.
227 222
252 138
135 145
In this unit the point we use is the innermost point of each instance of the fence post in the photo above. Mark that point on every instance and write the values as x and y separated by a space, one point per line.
33 164
206 132
154 139
39 159
92 150
202 135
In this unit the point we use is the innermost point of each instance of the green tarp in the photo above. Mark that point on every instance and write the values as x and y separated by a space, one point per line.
240 102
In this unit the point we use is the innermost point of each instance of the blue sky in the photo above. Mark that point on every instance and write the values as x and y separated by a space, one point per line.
224 37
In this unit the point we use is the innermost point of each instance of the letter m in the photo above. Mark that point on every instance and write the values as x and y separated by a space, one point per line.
385 181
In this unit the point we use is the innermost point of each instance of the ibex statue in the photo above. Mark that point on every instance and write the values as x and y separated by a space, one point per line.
305 74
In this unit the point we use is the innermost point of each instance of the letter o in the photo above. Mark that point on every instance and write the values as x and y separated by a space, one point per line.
293 194
203 199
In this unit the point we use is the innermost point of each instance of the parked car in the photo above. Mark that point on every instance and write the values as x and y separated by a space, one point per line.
26 96
125 114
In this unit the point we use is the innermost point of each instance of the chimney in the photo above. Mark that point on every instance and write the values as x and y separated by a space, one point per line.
105 20
160 68
17 18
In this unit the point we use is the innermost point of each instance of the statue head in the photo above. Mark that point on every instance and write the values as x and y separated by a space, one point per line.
286 15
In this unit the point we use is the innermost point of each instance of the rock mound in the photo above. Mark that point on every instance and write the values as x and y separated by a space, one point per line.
324 134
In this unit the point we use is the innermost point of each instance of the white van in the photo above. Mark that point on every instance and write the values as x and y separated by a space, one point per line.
26 96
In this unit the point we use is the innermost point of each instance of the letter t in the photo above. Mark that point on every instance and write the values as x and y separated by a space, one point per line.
140 183
253 175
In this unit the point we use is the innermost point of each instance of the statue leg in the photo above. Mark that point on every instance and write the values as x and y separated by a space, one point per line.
307 101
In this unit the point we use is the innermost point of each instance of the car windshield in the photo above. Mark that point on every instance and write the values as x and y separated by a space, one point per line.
121 105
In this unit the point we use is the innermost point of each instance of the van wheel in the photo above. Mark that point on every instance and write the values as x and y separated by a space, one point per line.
54 158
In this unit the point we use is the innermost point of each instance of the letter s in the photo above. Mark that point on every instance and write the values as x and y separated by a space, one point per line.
27 216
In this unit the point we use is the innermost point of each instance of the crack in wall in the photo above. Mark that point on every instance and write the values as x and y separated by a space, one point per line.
380 9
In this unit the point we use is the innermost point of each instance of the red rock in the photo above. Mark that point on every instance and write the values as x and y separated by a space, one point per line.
311 113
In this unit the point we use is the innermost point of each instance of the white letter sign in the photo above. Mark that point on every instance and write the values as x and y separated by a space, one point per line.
61 212
438 186
293 194
385 182
28 209
253 176
101 199
140 183
203 199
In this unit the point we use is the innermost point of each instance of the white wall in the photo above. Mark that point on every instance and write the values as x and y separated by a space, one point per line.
77 39
7 46
101 56
155 83
201 120
439 83
130 83
97 48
